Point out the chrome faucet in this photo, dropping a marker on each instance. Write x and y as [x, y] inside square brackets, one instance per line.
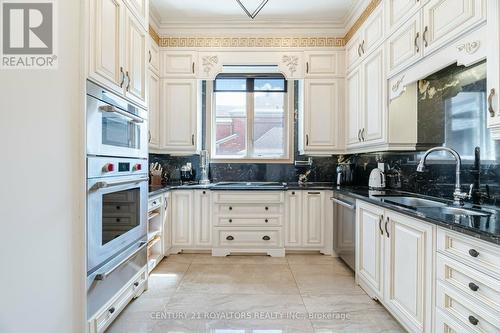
[304, 177]
[458, 195]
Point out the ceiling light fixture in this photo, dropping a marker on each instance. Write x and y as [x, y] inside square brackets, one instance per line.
[256, 11]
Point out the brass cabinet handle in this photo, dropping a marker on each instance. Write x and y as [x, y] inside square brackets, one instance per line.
[490, 102]
[380, 219]
[230, 238]
[123, 77]
[307, 67]
[386, 223]
[416, 42]
[128, 82]
[266, 238]
[424, 36]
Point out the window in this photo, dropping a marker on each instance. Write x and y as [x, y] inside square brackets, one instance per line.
[250, 118]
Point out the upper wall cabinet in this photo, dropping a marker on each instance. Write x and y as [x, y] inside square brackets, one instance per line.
[140, 9]
[323, 64]
[399, 11]
[320, 126]
[178, 64]
[446, 19]
[154, 56]
[117, 50]
[493, 70]
[154, 110]
[370, 35]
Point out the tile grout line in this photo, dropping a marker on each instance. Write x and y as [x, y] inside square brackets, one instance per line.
[300, 293]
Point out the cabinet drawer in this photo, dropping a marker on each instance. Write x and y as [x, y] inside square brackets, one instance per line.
[444, 324]
[476, 285]
[468, 313]
[249, 197]
[243, 221]
[106, 316]
[155, 202]
[478, 254]
[249, 237]
[252, 209]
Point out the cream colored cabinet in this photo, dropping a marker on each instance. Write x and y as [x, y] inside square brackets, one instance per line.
[353, 52]
[369, 249]
[374, 105]
[408, 253]
[135, 60]
[140, 8]
[117, 50]
[167, 223]
[293, 219]
[405, 46]
[446, 19]
[399, 11]
[154, 110]
[324, 64]
[179, 116]
[178, 64]
[493, 68]
[202, 219]
[322, 117]
[182, 220]
[313, 219]
[373, 31]
[366, 102]
[154, 56]
[106, 43]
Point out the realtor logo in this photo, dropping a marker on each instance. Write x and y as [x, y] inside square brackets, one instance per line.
[28, 34]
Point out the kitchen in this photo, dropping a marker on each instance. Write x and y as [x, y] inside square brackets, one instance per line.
[252, 166]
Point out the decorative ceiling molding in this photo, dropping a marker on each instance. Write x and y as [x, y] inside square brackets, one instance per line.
[364, 16]
[271, 42]
[154, 35]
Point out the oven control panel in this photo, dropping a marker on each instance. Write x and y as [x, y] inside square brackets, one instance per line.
[113, 166]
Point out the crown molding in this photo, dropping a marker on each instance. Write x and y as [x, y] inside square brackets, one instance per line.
[251, 42]
[373, 4]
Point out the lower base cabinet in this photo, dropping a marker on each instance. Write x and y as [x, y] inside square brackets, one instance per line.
[394, 263]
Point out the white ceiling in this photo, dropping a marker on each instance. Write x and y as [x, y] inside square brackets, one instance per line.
[185, 16]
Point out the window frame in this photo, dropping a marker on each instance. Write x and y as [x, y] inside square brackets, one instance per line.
[288, 156]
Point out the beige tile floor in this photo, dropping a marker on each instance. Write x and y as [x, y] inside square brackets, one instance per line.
[253, 294]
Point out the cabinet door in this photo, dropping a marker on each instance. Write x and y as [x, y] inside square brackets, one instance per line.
[106, 43]
[178, 115]
[373, 31]
[405, 46]
[353, 52]
[135, 54]
[321, 115]
[447, 19]
[493, 68]
[178, 64]
[182, 218]
[313, 219]
[202, 219]
[353, 107]
[321, 64]
[369, 246]
[154, 110]
[374, 88]
[408, 270]
[167, 223]
[398, 11]
[140, 8]
[293, 219]
[154, 56]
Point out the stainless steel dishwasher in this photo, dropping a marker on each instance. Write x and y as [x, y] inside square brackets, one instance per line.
[344, 230]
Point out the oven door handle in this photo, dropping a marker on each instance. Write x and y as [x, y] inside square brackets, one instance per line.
[103, 276]
[343, 203]
[99, 185]
[112, 109]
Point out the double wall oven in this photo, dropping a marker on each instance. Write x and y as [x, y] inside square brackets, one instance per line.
[117, 194]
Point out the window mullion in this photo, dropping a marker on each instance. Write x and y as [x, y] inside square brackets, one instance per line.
[250, 125]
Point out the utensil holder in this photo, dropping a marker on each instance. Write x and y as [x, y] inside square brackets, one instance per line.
[155, 180]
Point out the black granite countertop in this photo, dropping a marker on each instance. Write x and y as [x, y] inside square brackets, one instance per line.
[482, 227]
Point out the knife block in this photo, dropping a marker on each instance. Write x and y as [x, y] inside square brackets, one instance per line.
[155, 180]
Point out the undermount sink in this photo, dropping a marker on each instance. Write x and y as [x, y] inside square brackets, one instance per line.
[459, 211]
[412, 201]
